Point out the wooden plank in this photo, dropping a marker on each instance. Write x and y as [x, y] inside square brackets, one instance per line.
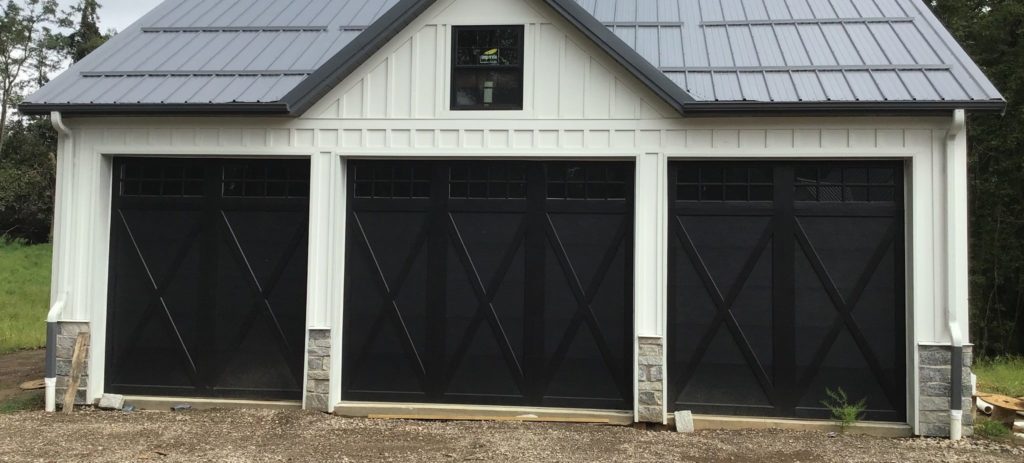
[535, 419]
[77, 365]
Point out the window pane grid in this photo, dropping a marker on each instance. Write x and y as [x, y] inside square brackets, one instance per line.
[161, 177]
[718, 183]
[846, 184]
[392, 181]
[487, 182]
[265, 179]
[487, 68]
[579, 181]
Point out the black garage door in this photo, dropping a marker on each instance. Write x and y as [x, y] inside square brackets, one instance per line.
[786, 279]
[505, 283]
[208, 278]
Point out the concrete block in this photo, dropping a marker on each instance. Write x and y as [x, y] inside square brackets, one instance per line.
[316, 402]
[684, 422]
[935, 358]
[111, 402]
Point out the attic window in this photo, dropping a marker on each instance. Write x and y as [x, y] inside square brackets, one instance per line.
[487, 68]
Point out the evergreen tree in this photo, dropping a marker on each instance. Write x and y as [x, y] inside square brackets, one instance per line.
[87, 36]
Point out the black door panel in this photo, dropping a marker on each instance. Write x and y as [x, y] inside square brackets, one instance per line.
[503, 283]
[208, 278]
[786, 279]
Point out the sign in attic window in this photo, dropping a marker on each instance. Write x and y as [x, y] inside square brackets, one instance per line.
[487, 68]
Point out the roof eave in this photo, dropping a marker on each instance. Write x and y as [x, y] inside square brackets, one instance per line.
[157, 109]
[838, 108]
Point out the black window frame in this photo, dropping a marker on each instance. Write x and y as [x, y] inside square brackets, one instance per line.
[455, 67]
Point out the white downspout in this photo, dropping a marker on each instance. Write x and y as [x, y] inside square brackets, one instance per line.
[60, 292]
[956, 130]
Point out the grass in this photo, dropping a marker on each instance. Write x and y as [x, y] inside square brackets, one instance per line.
[22, 402]
[24, 295]
[987, 428]
[1001, 375]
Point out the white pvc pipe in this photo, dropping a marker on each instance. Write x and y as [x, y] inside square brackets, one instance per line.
[60, 286]
[956, 129]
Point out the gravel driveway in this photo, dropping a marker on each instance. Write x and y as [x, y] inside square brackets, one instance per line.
[264, 435]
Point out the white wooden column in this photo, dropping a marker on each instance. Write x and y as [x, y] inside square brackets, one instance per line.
[324, 274]
[650, 248]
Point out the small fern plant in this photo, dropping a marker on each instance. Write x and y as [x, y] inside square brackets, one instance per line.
[844, 413]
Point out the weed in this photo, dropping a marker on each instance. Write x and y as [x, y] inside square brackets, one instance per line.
[22, 402]
[991, 429]
[843, 412]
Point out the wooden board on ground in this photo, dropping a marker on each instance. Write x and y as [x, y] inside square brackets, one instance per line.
[77, 365]
[532, 419]
[1002, 401]
[33, 385]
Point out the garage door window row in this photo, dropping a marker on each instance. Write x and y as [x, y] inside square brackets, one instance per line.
[184, 178]
[483, 180]
[846, 184]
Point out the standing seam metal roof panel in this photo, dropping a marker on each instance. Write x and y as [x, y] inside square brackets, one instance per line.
[257, 51]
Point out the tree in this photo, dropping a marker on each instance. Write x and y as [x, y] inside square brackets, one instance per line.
[27, 178]
[992, 31]
[87, 36]
[26, 43]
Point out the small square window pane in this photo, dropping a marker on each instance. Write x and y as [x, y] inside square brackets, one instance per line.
[806, 193]
[881, 176]
[856, 193]
[556, 190]
[688, 175]
[856, 175]
[830, 193]
[807, 174]
[688, 193]
[576, 191]
[711, 193]
[517, 190]
[459, 190]
[761, 193]
[382, 189]
[277, 189]
[761, 175]
[736, 193]
[736, 175]
[478, 190]
[363, 189]
[711, 174]
[403, 189]
[422, 189]
[883, 194]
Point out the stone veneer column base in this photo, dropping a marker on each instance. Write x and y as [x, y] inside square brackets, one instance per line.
[67, 334]
[651, 373]
[318, 373]
[934, 379]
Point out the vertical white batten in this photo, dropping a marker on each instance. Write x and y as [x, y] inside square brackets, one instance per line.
[648, 299]
[956, 265]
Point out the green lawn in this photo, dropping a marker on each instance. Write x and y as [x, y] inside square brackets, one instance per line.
[1001, 375]
[24, 295]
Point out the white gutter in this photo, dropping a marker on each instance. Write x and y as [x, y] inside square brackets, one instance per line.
[60, 291]
[956, 130]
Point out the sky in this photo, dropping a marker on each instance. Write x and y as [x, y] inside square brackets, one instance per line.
[118, 14]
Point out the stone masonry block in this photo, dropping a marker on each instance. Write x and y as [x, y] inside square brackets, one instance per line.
[649, 414]
[650, 398]
[655, 373]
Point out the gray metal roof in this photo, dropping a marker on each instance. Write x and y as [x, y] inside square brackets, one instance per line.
[798, 50]
[261, 52]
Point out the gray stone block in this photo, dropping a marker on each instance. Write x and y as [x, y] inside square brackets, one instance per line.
[111, 402]
[649, 360]
[934, 358]
[316, 402]
[641, 373]
[684, 422]
[319, 352]
[650, 350]
[651, 386]
[319, 375]
[655, 373]
[316, 364]
[651, 414]
[649, 398]
[935, 389]
[934, 374]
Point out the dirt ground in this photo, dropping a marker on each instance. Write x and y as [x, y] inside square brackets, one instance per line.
[282, 436]
[273, 436]
[18, 368]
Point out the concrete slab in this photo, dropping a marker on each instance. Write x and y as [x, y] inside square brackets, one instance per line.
[870, 428]
[480, 413]
[165, 403]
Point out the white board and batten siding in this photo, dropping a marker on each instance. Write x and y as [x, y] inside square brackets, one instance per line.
[577, 104]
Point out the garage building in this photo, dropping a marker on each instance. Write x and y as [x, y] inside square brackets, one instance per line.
[632, 207]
